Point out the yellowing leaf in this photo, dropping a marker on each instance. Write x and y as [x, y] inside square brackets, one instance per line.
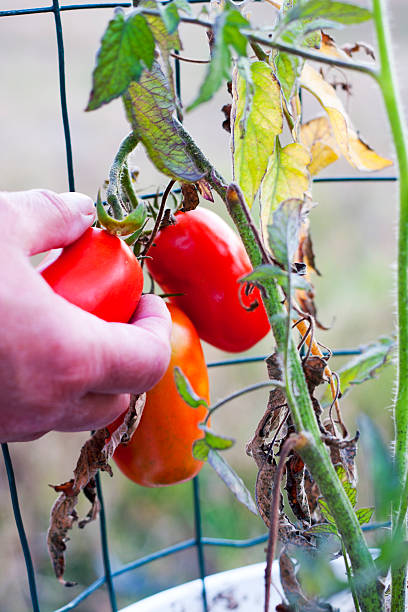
[253, 147]
[357, 153]
[317, 136]
[286, 178]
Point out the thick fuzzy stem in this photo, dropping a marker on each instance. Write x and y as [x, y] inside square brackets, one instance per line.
[387, 82]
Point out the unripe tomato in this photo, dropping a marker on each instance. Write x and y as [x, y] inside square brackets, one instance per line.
[99, 273]
[203, 258]
[160, 451]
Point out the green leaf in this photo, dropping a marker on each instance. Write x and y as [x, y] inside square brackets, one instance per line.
[226, 34]
[232, 480]
[286, 178]
[364, 515]
[127, 48]
[165, 41]
[267, 272]
[373, 359]
[383, 474]
[338, 12]
[284, 231]
[323, 529]
[288, 68]
[150, 109]
[201, 450]
[324, 509]
[216, 441]
[170, 13]
[254, 132]
[186, 391]
[351, 492]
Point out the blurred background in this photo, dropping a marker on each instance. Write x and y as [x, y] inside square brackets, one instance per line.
[353, 229]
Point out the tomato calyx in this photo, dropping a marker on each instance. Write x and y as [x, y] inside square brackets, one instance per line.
[131, 224]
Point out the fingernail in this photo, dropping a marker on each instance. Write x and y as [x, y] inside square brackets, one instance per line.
[79, 202]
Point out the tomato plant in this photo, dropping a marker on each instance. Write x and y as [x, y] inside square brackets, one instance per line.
[99, 273]
[203, 258]
[160, 451]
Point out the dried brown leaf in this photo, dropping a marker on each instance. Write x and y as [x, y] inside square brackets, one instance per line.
[190, 197]
[205, 190]
[94, 456]
[295, 488]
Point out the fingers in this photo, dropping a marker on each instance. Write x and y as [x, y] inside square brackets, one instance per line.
[133, 358]
[39, 220]
[93, 412]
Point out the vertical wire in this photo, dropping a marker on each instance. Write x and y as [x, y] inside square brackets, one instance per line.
[196, 495]
[20, 528]
[63, 94]
[105, 548]
[199, 540]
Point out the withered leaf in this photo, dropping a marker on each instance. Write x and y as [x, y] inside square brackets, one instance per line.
[205, 190]
[295, 488]
[94, 456]
[190, 197]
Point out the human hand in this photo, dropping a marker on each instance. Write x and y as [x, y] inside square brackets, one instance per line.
[62, 368]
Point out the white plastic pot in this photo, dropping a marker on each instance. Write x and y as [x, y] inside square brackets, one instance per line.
[240, 589]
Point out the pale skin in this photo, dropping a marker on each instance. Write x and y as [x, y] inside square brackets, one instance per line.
[62, 368]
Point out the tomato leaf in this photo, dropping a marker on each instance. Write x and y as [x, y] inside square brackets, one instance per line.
[355, 150]
[201, 450]
[150, 109]
[381, 466]
[324, 509]
[232, 480]
[317, 136]
[364, 515]
[254, 132]
[227, 34]
[286, 178]
[323, 529]
[127, 48]
[336, 12]
[186, 391]
[351, 491]
[216, 441]
[283, 232]
[170, 13]
[267, 272]
[373, 359]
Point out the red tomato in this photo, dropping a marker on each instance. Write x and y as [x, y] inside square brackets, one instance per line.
[99, 273]
[203, 258]
[160, 451]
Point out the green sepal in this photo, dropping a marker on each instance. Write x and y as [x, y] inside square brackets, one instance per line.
[130, 224]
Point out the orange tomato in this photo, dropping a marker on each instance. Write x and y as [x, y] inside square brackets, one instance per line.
[160, 451]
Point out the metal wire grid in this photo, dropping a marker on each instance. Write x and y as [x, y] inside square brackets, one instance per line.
[199, 541]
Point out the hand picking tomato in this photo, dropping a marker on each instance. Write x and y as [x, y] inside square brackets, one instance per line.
[160, 451]
[99, 273]
[203, 258]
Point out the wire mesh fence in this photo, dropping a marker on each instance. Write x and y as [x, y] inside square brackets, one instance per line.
[199, 542]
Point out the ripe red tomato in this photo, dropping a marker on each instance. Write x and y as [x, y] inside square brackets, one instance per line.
[160, 451]
[203, 258]
[99, 273]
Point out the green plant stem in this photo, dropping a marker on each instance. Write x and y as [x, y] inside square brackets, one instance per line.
[126, 147]
[350, 578]
[253, 37]
[127, 187]
[314, 453]
[387, 82]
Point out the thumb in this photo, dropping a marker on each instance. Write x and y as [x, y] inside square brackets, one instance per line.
[41, 220]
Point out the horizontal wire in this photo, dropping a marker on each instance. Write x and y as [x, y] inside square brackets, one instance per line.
[241, 360]
[76, 7]
[165, 552]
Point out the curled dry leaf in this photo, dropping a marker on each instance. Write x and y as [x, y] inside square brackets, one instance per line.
[94, 456]
[295, 488]
[205, 190]
[190, 197]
